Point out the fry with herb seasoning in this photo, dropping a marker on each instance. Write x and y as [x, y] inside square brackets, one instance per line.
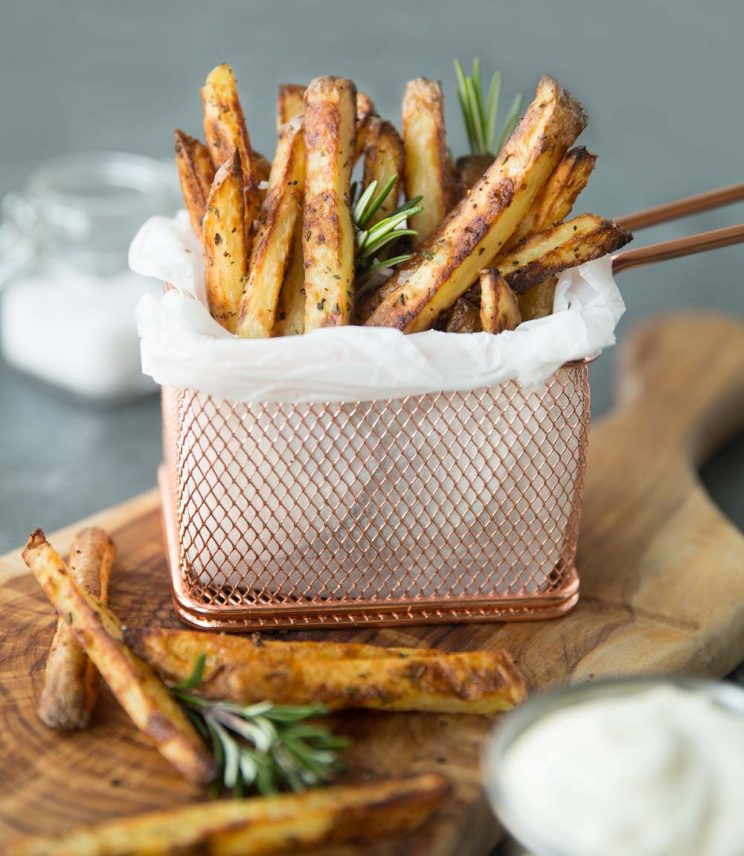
[280, 213]
[383, 162]
[261, 825]
[428, 171]
[289, 103]
[225, 131]
[465, 317]
[195, 174]
[566, 245]
[328, 231]
[136, 686]
[290, 313]
[70, 679]
[225, 244]
[479, 682]
[447, 264]
[499, 308]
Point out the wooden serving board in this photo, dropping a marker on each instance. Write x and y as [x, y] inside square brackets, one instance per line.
[662, 582]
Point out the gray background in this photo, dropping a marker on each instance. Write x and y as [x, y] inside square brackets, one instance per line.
[661, 81]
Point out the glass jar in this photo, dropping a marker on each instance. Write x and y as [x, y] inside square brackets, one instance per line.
[68, 296]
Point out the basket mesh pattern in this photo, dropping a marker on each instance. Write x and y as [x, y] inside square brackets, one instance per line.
[437, 507]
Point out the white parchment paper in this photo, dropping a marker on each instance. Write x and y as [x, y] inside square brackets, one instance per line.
[183, 346]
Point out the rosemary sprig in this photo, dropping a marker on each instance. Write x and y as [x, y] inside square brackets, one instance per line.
[481, 118]
[372, 239]
[263, 746]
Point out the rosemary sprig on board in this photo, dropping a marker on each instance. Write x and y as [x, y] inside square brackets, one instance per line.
[481, 117]
[371, 240]
[264, 746]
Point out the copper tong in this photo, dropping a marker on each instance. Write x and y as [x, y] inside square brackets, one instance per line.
[686, 246]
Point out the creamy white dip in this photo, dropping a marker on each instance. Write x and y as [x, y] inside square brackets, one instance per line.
[657, 772]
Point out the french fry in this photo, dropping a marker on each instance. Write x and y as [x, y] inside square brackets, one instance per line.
[289, 103]
[383, 160]
[195, 174]
[280, 213]
[477, 682]
[552, 206]
[328, 232]
[499, 308]
[225, 244]
[558, 195]
[566, 245]
[70, 679]
[290, 313]
[428, 171]
[138, 689]
[448, 262]
[365, 110]
[225, 131]
[261, 825]
[263, 167]
[465, 317]
[470, 169]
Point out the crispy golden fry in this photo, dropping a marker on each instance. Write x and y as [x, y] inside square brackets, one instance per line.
[289, 103]
[196, 174]
[448, 262]
[383, 160]
[328, 232]
[470, 169]
[552, 205]
[225, 131]
[225, 244]
[135, 685]
[465, 317]
[481, 682]
[290, 313]
[280, 214]
[261, 825]
[499, 308]
[70, 679]
[557, 197]
[428, 171]
[566, 245]
[365, 110]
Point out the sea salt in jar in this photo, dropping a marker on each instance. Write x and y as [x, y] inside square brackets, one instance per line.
[68, 296]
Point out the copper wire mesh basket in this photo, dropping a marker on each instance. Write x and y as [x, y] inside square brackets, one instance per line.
[458, 506]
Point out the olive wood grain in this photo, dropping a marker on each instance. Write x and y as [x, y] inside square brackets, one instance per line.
[662, 575]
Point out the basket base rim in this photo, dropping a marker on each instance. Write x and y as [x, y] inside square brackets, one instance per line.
[240, 619]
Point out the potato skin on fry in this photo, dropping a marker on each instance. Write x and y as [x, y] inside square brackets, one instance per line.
[280, 214]
[499, 308]
[328, 233]
[566, 245]
[260, 825]
[448, 262]
[470, 169]
[70, 679]
[195, 174]
[428, 171]
[290, 312]
[383, 160]
[465, 317]
[225, 245]
[133, 682]
[478, 682]
[225, 131]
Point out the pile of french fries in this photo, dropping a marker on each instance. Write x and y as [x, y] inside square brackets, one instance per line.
[280, 240]
[139, 666]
